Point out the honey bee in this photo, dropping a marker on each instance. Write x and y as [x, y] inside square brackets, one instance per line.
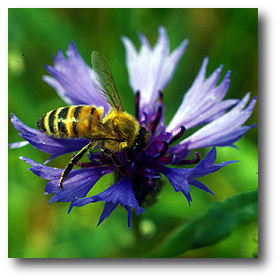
[117, 131]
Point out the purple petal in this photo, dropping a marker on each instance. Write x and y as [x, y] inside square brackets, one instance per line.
[42, 142]
[230, 138]
[224, 130]
[19, 144]
[45, 172]
[203, 101]
[120, 193]
[150, 70]
[20, 126]
[128, 209]
[108, 209]
[145, 47]
[199, 185]
[72, 79]
[207, 166]
[76, 185]
[181, 179]
[178, 179]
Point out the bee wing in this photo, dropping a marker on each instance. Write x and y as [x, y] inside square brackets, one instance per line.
[91, 128]
[105, 78]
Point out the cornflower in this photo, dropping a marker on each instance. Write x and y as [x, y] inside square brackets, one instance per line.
[150, 70]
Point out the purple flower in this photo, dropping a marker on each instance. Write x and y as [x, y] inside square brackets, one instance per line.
[150, 70]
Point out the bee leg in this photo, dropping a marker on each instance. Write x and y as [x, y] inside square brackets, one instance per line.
[115, 159]
[74, 160]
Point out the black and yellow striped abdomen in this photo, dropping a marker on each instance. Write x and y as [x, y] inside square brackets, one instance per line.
[62, 122]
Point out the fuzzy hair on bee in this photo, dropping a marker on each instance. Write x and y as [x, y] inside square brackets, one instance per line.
[117, 131]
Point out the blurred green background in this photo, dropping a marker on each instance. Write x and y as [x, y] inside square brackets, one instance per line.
[41, 230]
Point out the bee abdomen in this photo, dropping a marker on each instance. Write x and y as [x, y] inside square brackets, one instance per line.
[62, 121]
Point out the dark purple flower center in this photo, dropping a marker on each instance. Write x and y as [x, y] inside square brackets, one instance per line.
[142, 167]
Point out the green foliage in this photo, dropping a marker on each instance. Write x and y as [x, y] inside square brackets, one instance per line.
[218, 222]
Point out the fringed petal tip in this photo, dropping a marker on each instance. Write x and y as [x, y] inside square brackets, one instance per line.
[182, 178]
[119, 193]
[19, 144]
[151, 69]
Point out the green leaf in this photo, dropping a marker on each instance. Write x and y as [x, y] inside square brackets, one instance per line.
[217, 223]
